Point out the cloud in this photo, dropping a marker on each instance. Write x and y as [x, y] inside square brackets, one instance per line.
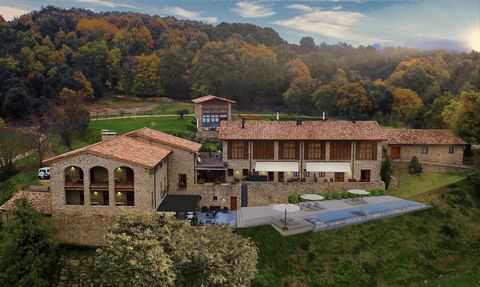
[180, 12]
[9, 13]
[105, 3]
[252, 10]
[336, 23]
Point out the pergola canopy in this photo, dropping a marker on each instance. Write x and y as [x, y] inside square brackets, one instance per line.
[338, 166]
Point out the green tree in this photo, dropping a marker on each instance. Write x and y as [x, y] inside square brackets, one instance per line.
[173, 71]
[299, 96]
[146, 80]
[16, 104]
[386, 172]
[414, 166]
[353, 101]
[142, 248]
[433, 117]
[28, 250]
[92, 59]
[463, 116]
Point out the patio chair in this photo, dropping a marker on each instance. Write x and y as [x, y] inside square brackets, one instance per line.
[305, 206]
[318, 205]
[312, 206]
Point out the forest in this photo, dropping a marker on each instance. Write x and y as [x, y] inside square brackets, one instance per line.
[54, 59]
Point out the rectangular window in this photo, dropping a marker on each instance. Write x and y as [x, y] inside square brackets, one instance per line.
[263, 150]
[424, 150]
[238, 150]
[365, 175]
[99, 197]
[339, 177]
[321, 174]
[245, 172]
[230, 172]
[124, 198]
[74, 197]
[182, 180]
[315, 150]
[288, 150]
[451, 150]
[366, 150]
[340, 150]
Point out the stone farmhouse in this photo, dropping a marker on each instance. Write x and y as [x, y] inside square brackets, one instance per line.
[436, 149]
[261, 163]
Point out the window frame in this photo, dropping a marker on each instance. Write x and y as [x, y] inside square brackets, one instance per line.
[288, 150]
[343, 153]
[424, 150]
[238, 149]
[263, 150]
[366, 150]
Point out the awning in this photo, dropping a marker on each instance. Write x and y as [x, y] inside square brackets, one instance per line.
[179, 202]
[276, 166]
[331, 166]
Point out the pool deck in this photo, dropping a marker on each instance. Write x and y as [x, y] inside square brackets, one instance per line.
[297, 221]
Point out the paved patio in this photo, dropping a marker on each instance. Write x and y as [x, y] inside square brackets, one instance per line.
[300, 221]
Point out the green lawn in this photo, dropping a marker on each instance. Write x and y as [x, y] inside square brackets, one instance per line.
[412, 186]
[399, 251]
[172, 108]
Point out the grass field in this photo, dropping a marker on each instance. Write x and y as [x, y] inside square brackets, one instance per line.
[400, 251]
[413, 186]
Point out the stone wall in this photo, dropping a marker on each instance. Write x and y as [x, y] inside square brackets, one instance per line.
[265, 193]
[179, 162]
[429, 166]
[437, 154]
[79, 229]
[356, 165]
[143, 186]
[204, 135]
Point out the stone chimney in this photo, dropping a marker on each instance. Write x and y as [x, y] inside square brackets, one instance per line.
[108, 135]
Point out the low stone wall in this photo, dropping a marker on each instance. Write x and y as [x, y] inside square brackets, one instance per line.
[82, 230]
[265, 193]
[204, 135]
[403, 165]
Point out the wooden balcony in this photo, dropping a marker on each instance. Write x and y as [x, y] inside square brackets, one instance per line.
[124, 186]
[74, 185]
[99, 186]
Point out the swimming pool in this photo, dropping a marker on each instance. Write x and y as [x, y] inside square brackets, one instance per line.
[366, 210]
[229, 218]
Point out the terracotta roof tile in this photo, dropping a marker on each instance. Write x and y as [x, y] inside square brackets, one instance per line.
[122, 148]
[166, 139]
[422, 137]
[209, 98]
[39, 199]
[308, 130]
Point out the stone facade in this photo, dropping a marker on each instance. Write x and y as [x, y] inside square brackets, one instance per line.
[179, 162]
[238, 165]
[437, 154]
[143, 186]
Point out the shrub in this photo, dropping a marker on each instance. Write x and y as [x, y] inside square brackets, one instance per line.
[305, 244]
[386, 172]
[311, 256]
[294, 198]
[415, 167]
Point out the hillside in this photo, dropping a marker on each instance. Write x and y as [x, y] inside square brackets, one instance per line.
[137, 55]
[434, 246]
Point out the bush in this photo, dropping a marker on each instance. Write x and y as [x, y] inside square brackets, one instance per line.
[377, 192]
[415, 167]
[294, 198]
[386, 172]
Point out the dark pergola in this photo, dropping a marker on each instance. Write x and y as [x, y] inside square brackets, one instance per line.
[179, 202]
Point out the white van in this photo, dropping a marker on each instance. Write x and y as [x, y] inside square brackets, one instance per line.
[44, 173]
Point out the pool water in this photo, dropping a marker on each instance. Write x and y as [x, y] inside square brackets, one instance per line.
[229, 218]
[345, 214]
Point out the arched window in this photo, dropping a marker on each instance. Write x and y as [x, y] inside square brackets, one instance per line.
[74, 192]
[124, 186]
[99, 186]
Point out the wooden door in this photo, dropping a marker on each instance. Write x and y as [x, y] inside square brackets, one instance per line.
[339, 177]
[395, 152]
[281, 177]
[233, 203]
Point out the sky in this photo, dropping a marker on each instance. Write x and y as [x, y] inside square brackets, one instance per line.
[452, 25]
